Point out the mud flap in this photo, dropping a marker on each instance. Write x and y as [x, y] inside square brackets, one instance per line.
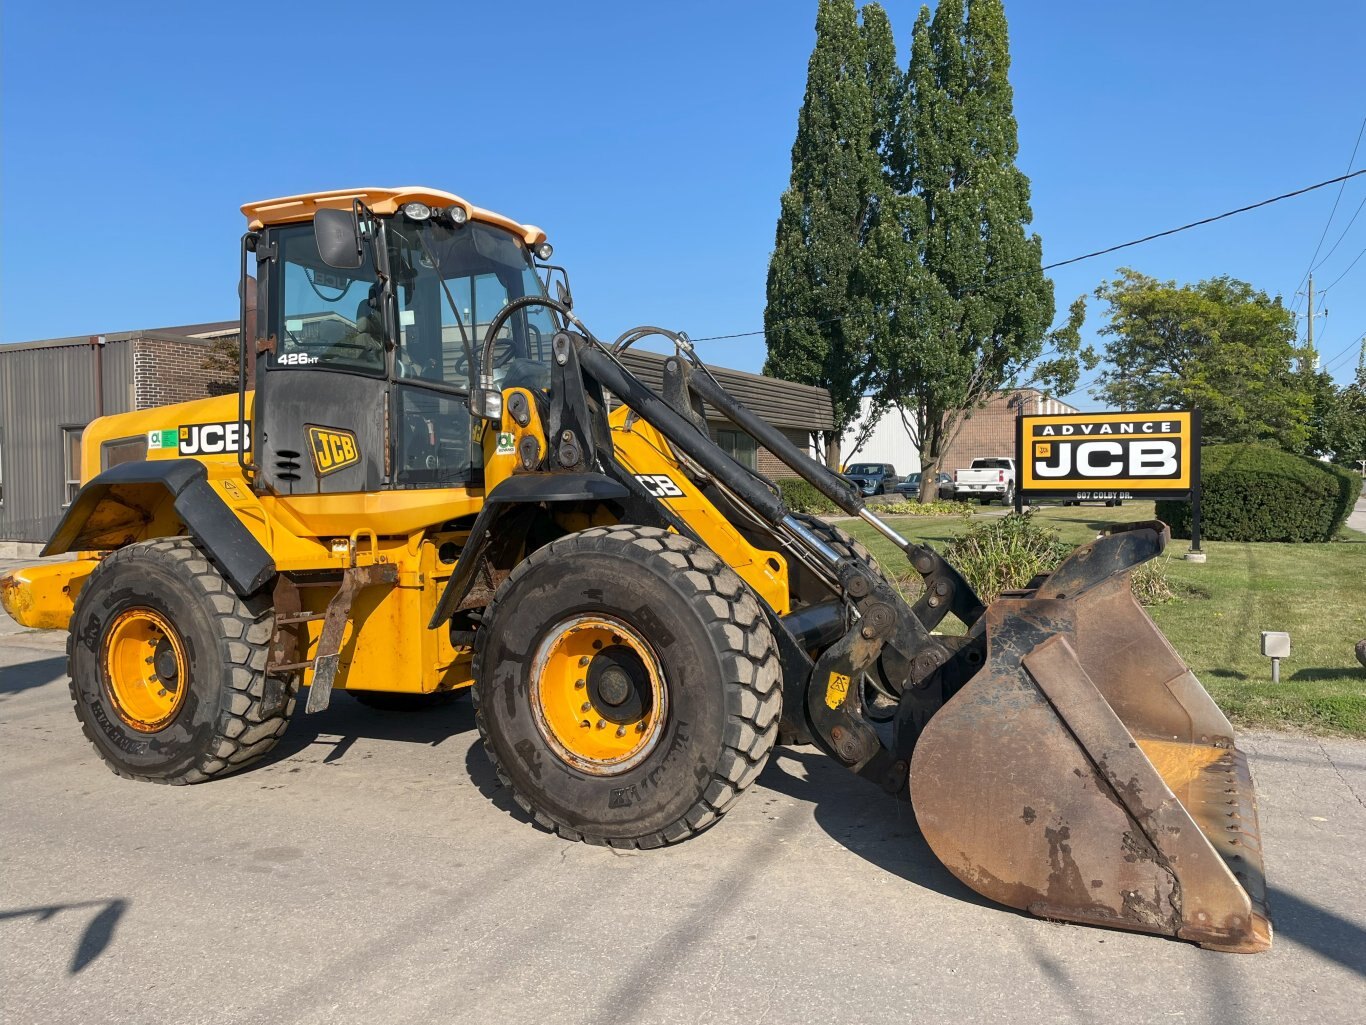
[1084, 774]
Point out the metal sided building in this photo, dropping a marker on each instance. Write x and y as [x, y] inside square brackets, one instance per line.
[50, 390]
[800, 411]
[48, 395]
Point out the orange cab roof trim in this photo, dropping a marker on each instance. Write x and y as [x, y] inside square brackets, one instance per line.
[382, 201]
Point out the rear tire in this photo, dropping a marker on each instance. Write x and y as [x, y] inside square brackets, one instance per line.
[216, 710]
[701, 669]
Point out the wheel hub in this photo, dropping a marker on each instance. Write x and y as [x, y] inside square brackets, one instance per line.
[143, 660]
[598, 694]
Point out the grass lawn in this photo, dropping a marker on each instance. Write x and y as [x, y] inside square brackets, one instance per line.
[1315, 591]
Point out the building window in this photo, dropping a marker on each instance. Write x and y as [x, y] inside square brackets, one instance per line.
[71, 457]
[738, 445]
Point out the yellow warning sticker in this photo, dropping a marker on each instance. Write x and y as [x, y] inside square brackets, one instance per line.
[836, 689]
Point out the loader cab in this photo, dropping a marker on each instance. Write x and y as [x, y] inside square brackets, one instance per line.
[363, 371]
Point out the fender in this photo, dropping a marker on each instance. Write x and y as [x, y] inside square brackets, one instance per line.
[507, 497]
[112, 509]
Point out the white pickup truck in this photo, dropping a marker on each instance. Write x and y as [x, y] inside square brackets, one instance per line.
[989, 477]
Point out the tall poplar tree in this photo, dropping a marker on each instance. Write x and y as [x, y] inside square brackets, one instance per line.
[972, 306]
[817, 320]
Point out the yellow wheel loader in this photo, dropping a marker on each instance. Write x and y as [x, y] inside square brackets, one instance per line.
[434, 477]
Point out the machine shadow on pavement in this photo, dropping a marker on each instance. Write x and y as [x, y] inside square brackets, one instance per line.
[878, 827]
[15, 679]
[347, 720]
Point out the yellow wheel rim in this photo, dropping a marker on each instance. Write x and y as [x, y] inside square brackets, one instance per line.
[598, 694]
[145, 669]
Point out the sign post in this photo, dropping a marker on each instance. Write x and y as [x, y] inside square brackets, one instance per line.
[1111, 457]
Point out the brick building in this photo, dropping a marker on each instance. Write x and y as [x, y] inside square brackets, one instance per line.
[990, 430]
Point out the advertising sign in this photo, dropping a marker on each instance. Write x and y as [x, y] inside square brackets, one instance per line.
[1102, 455]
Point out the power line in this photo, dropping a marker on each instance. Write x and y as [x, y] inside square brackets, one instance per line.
[1098, 252]
[1324, 234]
[1328, 367]
[1344, 273]
[1340, 237]
[1208, 220]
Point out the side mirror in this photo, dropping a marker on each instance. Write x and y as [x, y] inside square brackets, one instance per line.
[338, 237]
[566, 296]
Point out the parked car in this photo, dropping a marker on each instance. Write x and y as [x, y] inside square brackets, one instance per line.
[989, 477]
[910, 487]
[873, 478]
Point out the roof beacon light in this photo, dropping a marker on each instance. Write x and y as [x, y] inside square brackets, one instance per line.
[416, 211]
[545, 251]
[458, 214]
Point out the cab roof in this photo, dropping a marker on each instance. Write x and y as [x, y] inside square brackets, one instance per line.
[289, 209]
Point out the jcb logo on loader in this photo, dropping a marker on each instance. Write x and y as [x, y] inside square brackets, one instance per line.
[332, 449]
[213, 439]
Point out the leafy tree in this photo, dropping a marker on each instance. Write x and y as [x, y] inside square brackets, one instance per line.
[956, 275]
[1338, 422]
[1221, 345]
[817, 320]
[220, 363]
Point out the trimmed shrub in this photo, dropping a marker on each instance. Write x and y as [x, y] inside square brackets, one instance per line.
[800, 497]
[913, 507]
[1259, 493]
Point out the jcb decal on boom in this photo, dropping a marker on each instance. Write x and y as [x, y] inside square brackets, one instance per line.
[333, 449]
[660, 485]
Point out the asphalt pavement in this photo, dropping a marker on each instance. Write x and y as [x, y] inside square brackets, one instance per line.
[373, 871]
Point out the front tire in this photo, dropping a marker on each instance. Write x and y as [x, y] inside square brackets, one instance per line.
[167, 666]
[627, 686]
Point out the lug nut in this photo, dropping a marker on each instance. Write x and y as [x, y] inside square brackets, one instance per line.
[585, 706]
[580, 684]
[640, 727]
[602, 723]
[621, 731]
[583, 661]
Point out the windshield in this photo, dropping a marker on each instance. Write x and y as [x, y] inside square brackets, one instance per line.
[991, 464]
[868, 468]
[331, 318]
[483, 268]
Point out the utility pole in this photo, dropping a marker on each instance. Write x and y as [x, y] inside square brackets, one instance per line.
[1311, 312]
[1310, 358]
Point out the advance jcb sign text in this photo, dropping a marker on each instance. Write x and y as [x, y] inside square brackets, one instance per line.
[1152, 453]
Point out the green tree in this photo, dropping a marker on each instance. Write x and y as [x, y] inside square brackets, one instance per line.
[1338, 422]
[817, 319]
[1220, 345]
[220, 363]
[956, 274]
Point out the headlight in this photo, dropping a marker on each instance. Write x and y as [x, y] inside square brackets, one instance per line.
[545, 251]
[458, 214]
[416, 211]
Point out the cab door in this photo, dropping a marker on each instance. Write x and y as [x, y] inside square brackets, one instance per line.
[322, 387]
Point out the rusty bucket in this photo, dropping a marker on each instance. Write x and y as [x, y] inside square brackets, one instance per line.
[1085, 775]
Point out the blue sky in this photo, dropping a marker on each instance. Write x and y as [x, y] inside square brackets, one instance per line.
[650, 140]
